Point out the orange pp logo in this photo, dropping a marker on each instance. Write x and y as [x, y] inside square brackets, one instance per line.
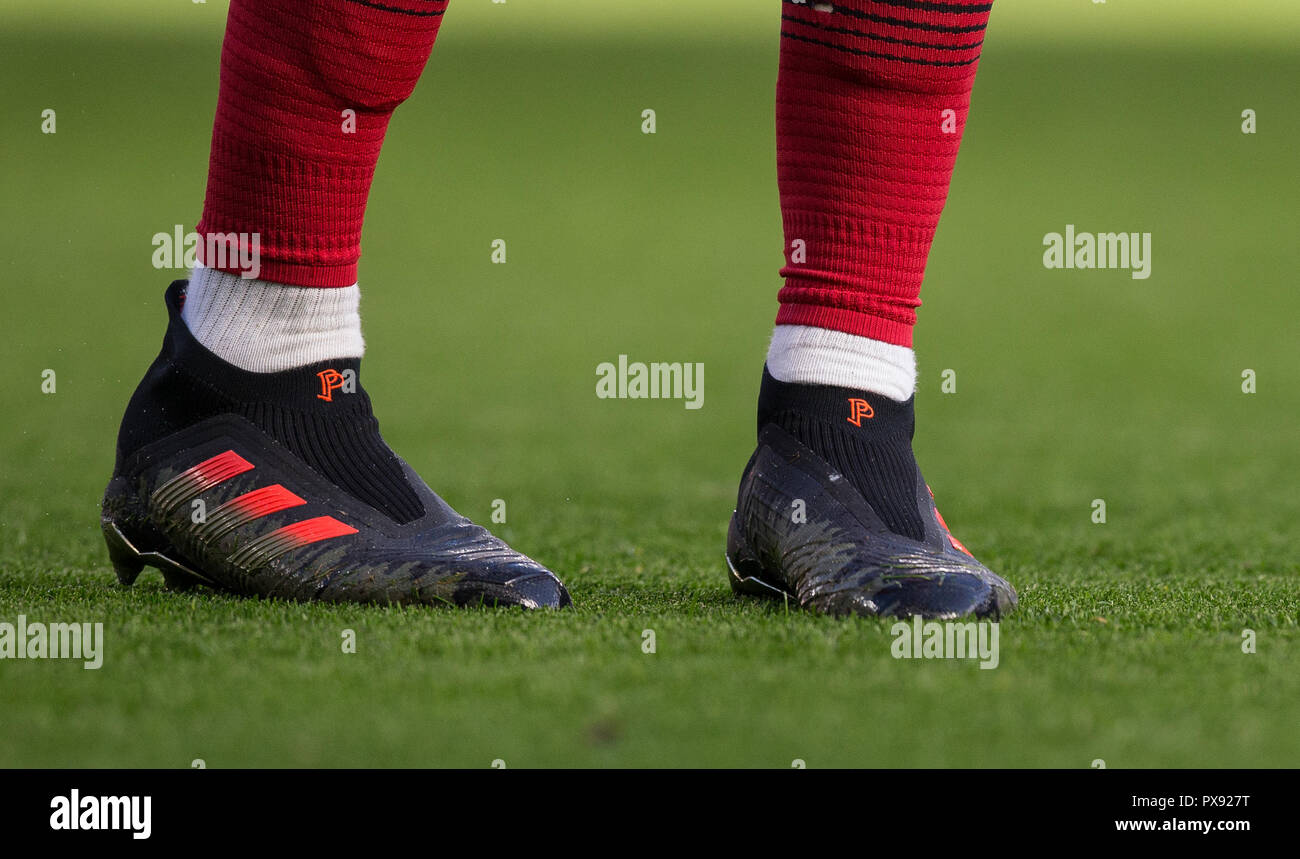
[330, 381]
[859, 409]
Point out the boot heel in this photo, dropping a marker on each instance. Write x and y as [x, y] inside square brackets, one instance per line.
[124, 556]
[744, 570]
[130, 557]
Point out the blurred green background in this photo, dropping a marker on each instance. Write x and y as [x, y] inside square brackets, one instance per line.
[1072, 386]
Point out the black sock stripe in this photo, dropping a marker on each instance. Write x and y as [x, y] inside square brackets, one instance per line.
[898, 22]
[412, 12]
[890, 39]
[956, 7]
[861, 52]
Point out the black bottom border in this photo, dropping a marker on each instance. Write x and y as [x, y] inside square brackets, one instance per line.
[334, 808]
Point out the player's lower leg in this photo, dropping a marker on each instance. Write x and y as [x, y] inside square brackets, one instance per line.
[249, 458]
[872, 100]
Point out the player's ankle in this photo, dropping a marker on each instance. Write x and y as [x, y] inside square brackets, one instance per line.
[864, 435]
[821, 356]
[266, 327]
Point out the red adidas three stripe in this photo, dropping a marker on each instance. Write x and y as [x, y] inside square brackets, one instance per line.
[246, 508]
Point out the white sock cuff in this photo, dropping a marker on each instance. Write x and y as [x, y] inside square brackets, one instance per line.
[266, 327]
[820, 356]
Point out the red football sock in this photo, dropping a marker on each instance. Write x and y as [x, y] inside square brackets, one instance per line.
[871, 103]
[287, 162]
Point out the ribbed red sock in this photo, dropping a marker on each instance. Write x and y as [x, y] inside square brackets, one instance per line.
[872, 99]
[287, 162]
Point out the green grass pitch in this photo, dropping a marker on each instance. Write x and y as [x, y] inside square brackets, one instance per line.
[1071, 386]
